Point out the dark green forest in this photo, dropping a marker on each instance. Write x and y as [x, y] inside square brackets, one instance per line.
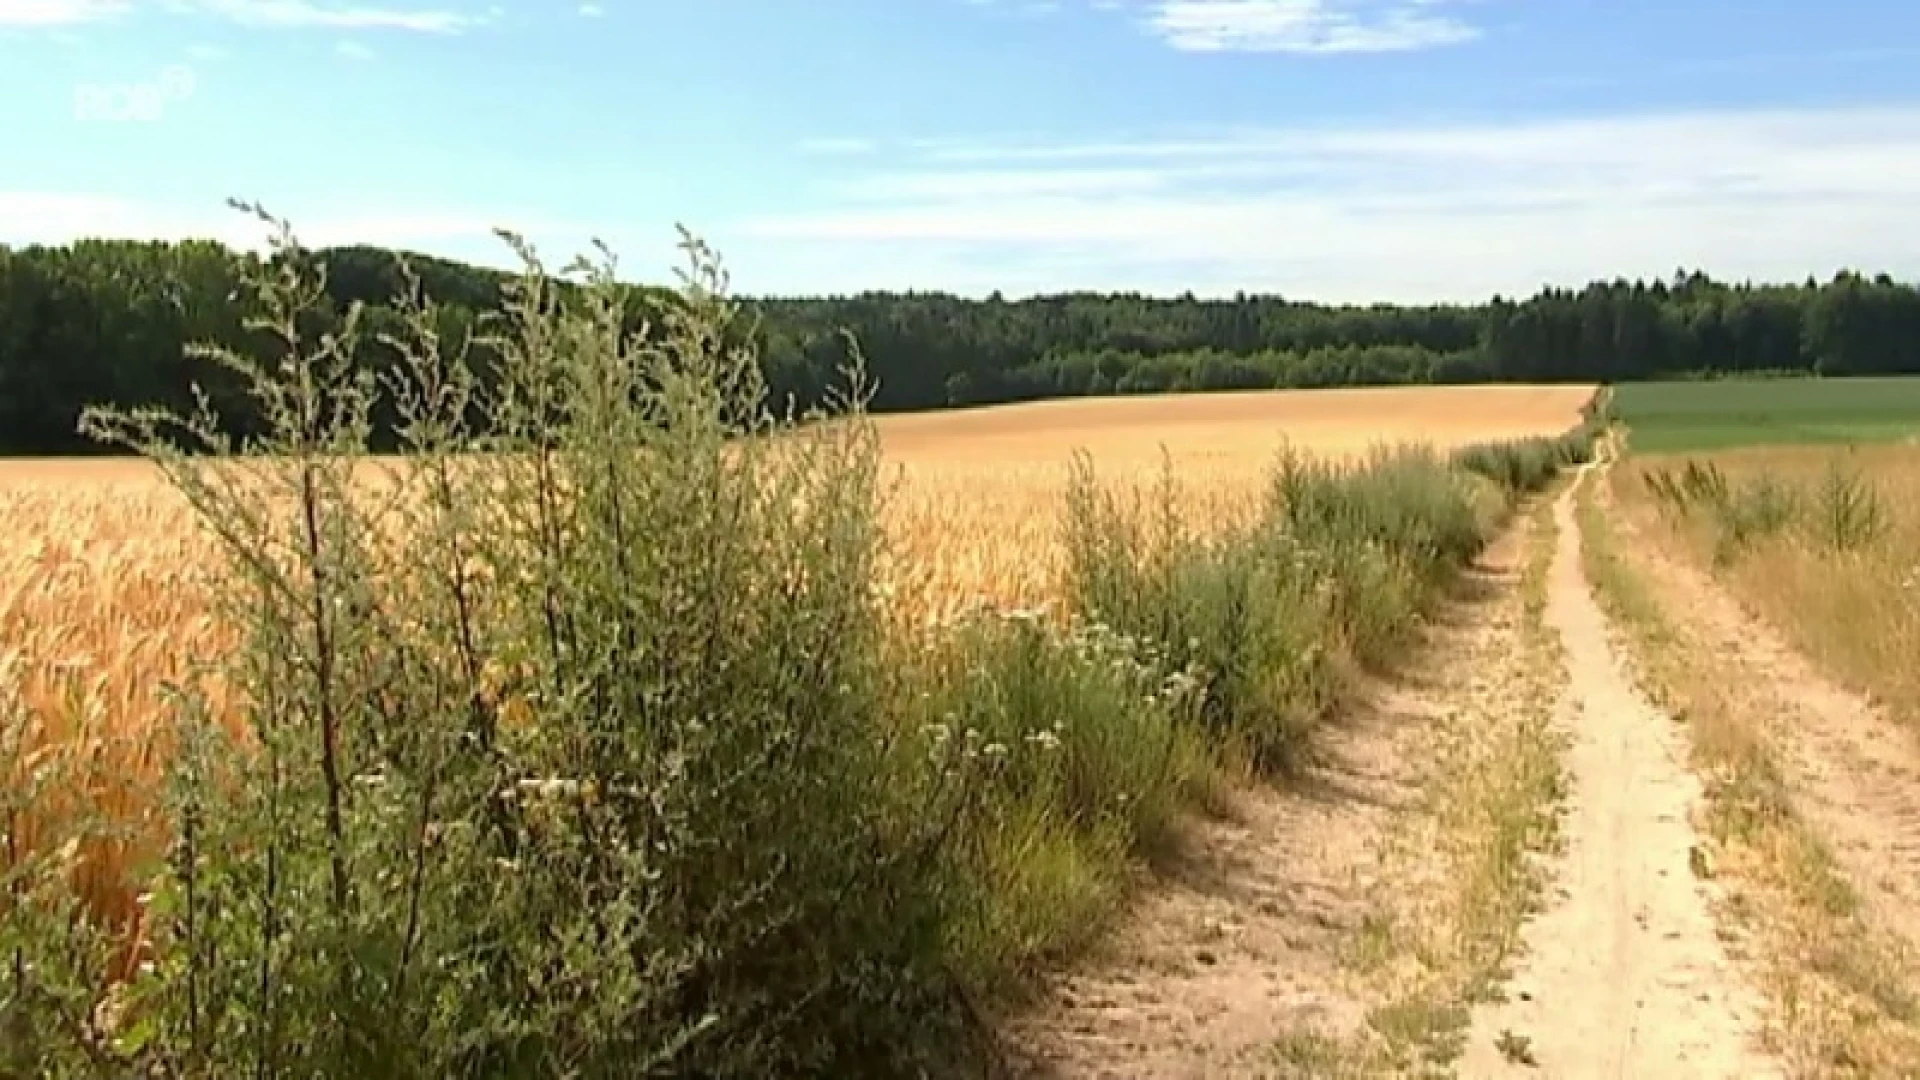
[102, 321]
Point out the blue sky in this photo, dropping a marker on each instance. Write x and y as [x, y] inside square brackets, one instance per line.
[1327, 149]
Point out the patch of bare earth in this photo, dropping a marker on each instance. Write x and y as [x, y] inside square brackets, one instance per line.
[1624, 975]
[1818, 795]
[1269, 945]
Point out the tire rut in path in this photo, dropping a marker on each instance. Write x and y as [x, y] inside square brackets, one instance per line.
[1623, 974]
[1854, 769]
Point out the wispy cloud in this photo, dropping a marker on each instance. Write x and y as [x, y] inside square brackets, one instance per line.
[1412, 212]
[1006, 183]
[306, 14]
[591, 11]
[1028, 8]
[1308, 26]
[353, 50]
[58, 12]
[293, 14]
[837, 145]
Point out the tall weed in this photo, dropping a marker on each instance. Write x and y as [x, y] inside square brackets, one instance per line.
[1849, 512]
[562, 746]
[1332, 572]
[1227, 606]
[1524, 466]
[572, 741]
[1093, 746]
[1841, 512]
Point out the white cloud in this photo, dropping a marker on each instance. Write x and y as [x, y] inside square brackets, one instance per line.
[353, 50]
[260, 13]
[1307, 26]
[1005, 183]
[40, 13]
[838, 144]
[592, 11]
[1433, 212]
[1025, 8]
[304, 14]
[1411, 212]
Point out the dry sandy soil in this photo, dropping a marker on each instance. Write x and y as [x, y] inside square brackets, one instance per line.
[1246, 943]
[1624, 975]
[1856, 770]
[1248, 948]
[1817, 793]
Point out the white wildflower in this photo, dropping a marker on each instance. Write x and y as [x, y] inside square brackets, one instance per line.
[1045, 740]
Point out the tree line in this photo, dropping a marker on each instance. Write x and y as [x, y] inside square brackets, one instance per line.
[109, 322]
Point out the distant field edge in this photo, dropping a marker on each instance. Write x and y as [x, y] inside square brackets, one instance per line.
[1731, 413]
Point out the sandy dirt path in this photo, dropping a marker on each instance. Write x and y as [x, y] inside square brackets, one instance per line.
[1853, 769]
[1238, 942]
[1623, 975]
[1818, 802]
[1246, 940]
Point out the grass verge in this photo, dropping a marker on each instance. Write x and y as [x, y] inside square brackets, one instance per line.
[1838, 1003]
[1819, 542]
[1464, 871]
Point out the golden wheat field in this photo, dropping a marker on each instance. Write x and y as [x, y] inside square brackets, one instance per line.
[976, 513]
[100, 608]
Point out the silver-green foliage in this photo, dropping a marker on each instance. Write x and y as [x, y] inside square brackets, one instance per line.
[565, 747]
[1333, 570]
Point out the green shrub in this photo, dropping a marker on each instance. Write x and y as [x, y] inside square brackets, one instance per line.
[1519, 466]
[573, 742]
[1333, 571]
[1738, 514]
[1092, 747]
[1762, 507]
[1523, 466]
[561, 748]
[1403, 501]
[1229, 607]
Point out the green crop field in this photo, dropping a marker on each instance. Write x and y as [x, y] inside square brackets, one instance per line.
[1720, 414]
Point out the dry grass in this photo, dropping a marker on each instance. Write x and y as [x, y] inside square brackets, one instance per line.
[1834, 975]
[1460, 870]
[1856, 613]
[100, 608]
